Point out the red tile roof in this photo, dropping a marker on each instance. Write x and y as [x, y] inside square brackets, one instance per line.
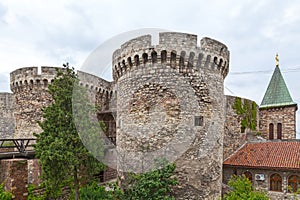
[271, 154]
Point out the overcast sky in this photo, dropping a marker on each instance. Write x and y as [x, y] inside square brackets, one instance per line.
[50, 33]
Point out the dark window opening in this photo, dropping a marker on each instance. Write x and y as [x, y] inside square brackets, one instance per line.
[248, 175]
[220, 63]
[235, 171]
[173, 58]
[145, 58]
[154, 56]
[191, 60]
[100, 176]
[279, 131]
[181, 59]
[271, 131]
[129, 61]
[198, 120]
[124, 64]
[199, 61]
[243, 128]
[163, 56]
[137, 60]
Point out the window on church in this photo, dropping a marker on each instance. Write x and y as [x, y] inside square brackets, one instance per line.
[271, 131]
[275, 183]
[294, 183]
[279, 131]
[248, 175]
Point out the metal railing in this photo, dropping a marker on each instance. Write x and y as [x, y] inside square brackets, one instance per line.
[22, 147]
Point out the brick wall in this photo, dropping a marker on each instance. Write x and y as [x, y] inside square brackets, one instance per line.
[284, 115]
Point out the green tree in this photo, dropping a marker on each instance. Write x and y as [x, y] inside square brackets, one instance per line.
[65, 160]
[152, 185]
[242, 190]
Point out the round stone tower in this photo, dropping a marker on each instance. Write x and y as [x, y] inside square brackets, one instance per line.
[170, 104]
[30, 91]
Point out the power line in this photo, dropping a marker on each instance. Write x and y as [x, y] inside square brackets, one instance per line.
[286, 70]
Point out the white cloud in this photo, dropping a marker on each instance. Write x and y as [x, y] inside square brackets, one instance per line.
[37, 32]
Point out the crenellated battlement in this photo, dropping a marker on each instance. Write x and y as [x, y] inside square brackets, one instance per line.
[30, 76]
[176, 50]
[211, 45]
[94, 83]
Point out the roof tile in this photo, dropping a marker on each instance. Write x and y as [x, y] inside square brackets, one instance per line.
[271, 154]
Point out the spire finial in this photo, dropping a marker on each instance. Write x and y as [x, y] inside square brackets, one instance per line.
[277, 60]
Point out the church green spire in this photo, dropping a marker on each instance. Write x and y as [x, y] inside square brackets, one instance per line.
[277, 93]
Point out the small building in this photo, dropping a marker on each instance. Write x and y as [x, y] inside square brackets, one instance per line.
[272, 166]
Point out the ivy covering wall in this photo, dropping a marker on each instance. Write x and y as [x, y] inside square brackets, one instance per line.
[247, 110]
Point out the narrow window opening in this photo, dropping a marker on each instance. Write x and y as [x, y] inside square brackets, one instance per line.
[137, 60]
[271, 131]
[198, 120]
[279, 131]
[191, 60]
[154, 56]
[181, 59]
[173, 58]
[163, 56]
[145, 58]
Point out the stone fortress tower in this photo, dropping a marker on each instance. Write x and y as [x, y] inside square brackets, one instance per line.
[30, 95]
[170, 103]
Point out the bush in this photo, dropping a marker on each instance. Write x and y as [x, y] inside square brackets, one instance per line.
[152, 185]
[5, 195]
[31, 196]
[242, 190]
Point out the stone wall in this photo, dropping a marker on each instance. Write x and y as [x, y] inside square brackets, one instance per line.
[263, 185]
[284, 115]
[234, 136]
[170, 103]
[7, 122]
